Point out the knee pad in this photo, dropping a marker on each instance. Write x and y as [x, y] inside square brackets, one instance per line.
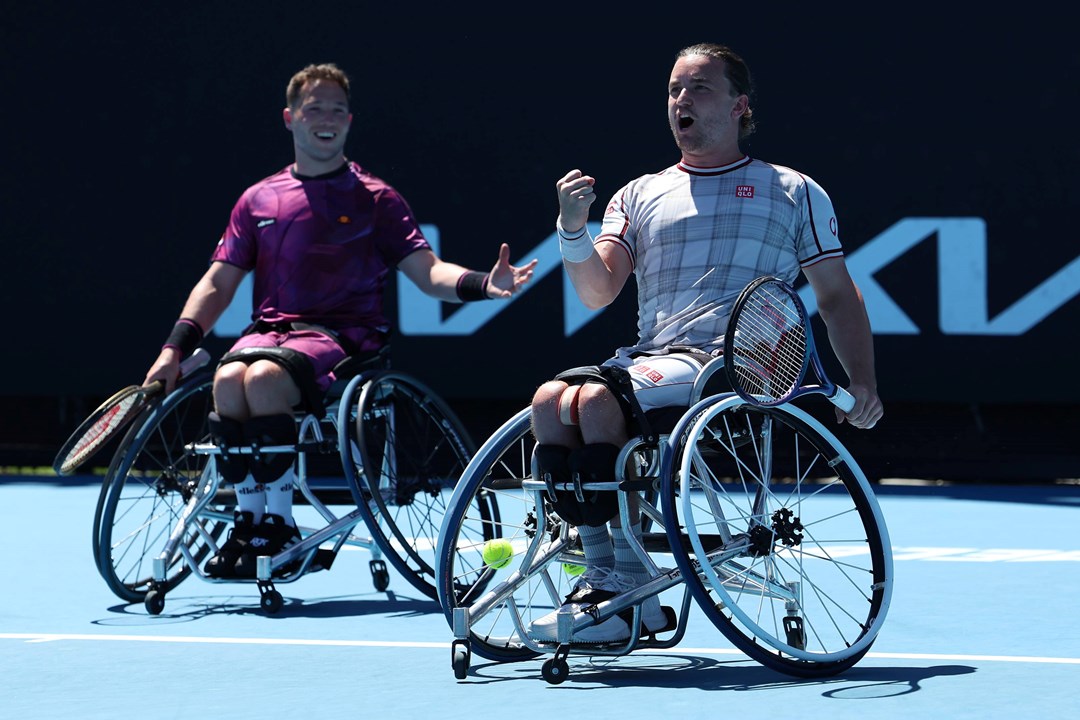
[270, 430]
[591, 463]
[226, 433]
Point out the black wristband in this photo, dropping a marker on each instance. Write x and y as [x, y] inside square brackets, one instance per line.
[472, 285]
[185, 336]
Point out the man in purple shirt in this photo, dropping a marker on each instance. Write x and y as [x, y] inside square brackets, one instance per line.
[321, 236]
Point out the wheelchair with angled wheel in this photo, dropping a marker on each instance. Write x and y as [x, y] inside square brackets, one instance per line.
[758, 516]
[373, 470]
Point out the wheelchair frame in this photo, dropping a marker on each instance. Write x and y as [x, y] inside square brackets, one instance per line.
[773, 527]
[162, 484]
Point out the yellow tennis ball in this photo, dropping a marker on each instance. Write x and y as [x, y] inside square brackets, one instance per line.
[498, 553]
[573, 570]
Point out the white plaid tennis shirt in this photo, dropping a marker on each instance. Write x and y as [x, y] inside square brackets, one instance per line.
[697, 236]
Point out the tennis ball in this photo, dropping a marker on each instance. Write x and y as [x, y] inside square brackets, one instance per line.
[498, 553]
[573, 570]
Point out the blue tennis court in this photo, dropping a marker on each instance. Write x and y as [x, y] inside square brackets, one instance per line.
[982, 625]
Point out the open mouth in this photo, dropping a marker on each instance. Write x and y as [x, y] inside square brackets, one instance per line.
[326, 135]
[685, 122]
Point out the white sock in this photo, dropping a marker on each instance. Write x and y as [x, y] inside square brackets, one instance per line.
[250, 497]
[279, 496]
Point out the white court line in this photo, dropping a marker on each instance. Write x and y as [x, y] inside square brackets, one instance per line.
[54, 637]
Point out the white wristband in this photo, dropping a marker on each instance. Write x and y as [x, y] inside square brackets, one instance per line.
[575, 248]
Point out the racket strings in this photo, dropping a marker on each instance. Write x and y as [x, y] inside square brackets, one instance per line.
[769, 345]
[101, 430]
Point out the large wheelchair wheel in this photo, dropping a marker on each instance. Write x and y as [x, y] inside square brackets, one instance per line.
[403, 450]
[149, 482]
[778, 534]
[489, 503]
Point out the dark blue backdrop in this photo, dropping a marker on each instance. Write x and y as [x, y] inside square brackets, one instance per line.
[945, 141]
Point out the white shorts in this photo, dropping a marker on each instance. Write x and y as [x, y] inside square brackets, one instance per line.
[661, 380]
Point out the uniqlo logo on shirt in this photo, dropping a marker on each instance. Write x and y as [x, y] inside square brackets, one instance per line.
[746, 191]
[647, 372]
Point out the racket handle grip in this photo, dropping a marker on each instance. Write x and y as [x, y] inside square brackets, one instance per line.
[843, 399]
[198, 359]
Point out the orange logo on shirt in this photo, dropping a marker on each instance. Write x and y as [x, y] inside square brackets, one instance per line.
[344, 220]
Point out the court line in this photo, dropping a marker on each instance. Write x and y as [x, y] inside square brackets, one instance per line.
[54, 637]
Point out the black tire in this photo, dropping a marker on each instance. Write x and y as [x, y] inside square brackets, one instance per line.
[402, 461]
[778, 536]
[149, 481]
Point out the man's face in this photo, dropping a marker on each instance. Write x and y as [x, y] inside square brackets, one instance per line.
[702, 113]
[320, 121]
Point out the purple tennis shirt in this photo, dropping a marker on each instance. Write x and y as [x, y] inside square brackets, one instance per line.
[321, 249]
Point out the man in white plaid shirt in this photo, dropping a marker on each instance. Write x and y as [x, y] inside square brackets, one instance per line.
[694, 235]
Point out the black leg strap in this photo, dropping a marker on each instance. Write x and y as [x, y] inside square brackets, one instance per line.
[266, 431]
[227, 433]
[591, 463]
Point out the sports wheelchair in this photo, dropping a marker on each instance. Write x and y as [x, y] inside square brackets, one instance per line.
[760, 515]
[380, 454]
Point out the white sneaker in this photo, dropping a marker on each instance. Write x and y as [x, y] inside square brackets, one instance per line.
[595, 586]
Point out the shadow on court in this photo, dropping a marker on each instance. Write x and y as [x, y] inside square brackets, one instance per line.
[703, 673]
[190, 609]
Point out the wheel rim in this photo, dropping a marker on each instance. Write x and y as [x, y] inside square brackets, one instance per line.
[405, 503]
[495, 476]
[145, 491]
[814, 544]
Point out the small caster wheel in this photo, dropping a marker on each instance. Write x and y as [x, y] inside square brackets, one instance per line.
[154, 602]
[460, 654]
[271, 601]
[380, 576]
[555, 670]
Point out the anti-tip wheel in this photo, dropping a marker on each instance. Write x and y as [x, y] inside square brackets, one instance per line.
[271, 601]
[555, 670]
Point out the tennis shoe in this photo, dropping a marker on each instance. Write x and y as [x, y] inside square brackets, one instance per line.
[595, 586]
[272, 536]
[223, 564]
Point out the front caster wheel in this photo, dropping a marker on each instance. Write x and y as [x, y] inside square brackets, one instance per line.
[154, 602]
[460, 655]
[380, 576]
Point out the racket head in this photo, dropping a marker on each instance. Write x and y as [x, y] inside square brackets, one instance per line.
[114, 415]
[100, 426]
[768, 345]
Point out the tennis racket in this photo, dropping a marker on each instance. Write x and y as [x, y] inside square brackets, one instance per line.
[114, 415]
[769, 347]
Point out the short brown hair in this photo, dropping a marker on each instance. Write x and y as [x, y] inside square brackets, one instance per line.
[737, 73]
[323, 71]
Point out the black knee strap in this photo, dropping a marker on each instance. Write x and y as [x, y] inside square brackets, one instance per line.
[226, 433]
[591, 463]
[270, 430]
